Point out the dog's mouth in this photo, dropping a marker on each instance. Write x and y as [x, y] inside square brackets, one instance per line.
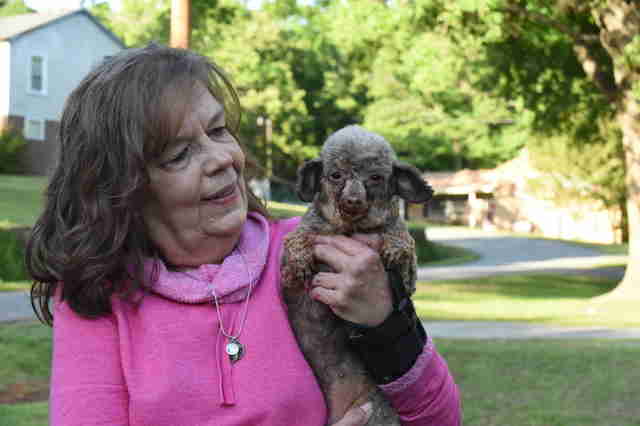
[352, 211]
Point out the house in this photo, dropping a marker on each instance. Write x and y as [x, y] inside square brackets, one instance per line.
[43, 56]
[506, 198]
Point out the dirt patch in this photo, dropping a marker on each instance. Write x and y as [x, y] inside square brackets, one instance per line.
[24, 392]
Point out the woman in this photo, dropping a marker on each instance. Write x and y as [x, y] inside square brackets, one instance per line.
[163, 268]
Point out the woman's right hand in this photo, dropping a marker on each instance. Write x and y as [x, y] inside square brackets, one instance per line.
[357, 416]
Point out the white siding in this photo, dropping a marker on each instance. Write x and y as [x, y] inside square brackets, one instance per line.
[71, 46]
[5, 76]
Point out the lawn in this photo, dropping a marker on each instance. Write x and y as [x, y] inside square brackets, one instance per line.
[546, 383]
[514, 383]
[21, 199]
[540, 298]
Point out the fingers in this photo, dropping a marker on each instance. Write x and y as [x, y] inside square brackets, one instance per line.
[340, 252]
[351, 245]
[324, 289]
[357, 416]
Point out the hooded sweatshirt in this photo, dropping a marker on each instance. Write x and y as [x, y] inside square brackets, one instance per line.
[163, 361]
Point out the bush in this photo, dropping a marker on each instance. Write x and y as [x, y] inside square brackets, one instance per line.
[12, 267]
[426, 251]
[11, 145]
[432, 253]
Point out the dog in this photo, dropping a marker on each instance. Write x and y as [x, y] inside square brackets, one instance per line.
[353, 187]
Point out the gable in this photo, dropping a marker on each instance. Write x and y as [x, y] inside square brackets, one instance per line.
[14, 27]
[55, 54]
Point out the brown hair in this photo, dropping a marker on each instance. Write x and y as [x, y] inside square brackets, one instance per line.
[91, 236]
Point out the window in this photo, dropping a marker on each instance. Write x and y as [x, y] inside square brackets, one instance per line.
[37, 75]
[34, 129]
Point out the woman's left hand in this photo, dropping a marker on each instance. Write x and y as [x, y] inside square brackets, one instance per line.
[358, 289]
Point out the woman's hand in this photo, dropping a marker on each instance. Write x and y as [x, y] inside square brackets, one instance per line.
[358, 416]
[358, 289]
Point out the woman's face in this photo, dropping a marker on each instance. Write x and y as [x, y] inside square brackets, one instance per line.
[197, 202]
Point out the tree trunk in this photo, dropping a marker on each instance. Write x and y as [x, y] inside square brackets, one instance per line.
[629, 119]
[619, 24]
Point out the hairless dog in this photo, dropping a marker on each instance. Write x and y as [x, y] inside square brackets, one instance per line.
[353, 187]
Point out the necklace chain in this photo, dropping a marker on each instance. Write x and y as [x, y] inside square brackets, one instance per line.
[234, 348]
[246, 304]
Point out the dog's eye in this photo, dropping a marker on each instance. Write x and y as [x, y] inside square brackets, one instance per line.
[336, 175]
[376, 178]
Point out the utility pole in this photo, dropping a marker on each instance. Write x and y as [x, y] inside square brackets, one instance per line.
[180, 23]
[267, 126]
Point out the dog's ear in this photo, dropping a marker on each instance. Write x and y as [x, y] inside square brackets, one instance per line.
[309, 179]
[409, 185]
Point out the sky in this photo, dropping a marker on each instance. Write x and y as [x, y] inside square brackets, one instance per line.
[62, 4]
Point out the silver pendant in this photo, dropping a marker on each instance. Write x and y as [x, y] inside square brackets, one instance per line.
[235, 350]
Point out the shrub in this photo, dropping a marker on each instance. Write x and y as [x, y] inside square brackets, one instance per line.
[12, 267]
[426, 251]
[11, 145]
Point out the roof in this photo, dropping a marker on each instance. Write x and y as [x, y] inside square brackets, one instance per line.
[462, 181]
[13, 27]
[466, 181]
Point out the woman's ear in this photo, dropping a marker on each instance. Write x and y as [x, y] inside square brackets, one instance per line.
[409, 184]
[309, 179]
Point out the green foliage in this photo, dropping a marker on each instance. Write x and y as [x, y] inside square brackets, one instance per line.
[11, 145]
[12, 266]
[13, 7]
[138, 22]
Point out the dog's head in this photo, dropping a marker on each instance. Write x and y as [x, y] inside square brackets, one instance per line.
[357, 177]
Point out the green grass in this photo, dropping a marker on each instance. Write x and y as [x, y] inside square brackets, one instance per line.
[546, 383]
[28, 414]
[26, 357]
[284, 210]
[21, 198]
[540, 298]
[14, 286]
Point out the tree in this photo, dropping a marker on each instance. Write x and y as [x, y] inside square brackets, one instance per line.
[138, 22]
[602, 38]
[13, 7]
[412, 82]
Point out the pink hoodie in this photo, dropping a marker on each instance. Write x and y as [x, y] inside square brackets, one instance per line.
[162, 362]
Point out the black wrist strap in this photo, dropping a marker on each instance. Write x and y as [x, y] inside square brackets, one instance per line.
[389, 350]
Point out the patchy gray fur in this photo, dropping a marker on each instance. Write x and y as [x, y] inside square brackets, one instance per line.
[353, 187]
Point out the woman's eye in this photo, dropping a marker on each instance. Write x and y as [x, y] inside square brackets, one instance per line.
[217, 132]
[177, 158]
[336, 175]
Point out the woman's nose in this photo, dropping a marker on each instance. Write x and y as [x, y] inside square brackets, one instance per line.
[217, 157]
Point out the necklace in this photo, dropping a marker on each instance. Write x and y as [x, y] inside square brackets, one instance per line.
[234, 349]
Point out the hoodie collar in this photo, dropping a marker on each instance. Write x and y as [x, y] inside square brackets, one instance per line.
[197, 285]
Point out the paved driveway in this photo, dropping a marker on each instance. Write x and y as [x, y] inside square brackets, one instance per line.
[503, 254]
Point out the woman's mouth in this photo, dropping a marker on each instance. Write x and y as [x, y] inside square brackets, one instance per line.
[224, 195]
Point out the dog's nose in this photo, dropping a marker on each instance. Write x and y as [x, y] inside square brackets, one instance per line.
[354, 201]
